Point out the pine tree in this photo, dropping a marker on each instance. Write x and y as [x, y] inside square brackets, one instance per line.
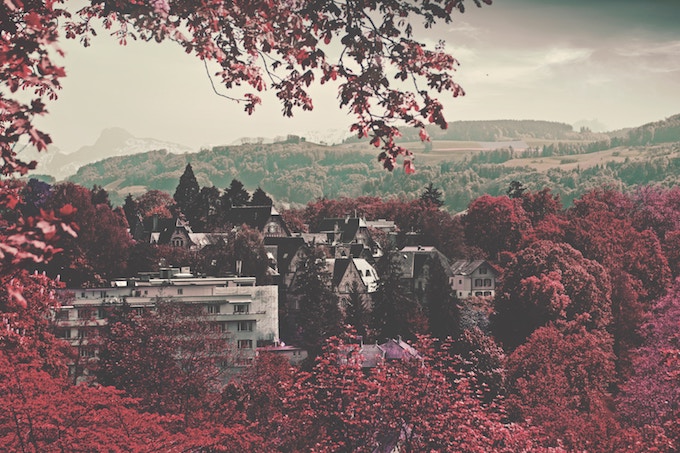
[396, 312]
[320, 316]
[442, 306]
[186, 195]
[260, 198]
[235, 195]
[130, 210]
[357, 313]
[432, 195]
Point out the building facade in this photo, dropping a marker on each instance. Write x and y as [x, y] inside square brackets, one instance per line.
[245, 313]
[476, 278]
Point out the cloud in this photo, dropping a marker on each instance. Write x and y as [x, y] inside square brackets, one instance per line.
[656, 57]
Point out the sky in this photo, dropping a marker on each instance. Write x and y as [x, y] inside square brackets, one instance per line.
[608, 63]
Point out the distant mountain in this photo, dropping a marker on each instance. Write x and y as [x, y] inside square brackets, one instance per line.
[111, 143]
[296, 172]
[493, 131]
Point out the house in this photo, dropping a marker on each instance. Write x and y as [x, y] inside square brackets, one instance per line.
[179, 233]
[176, 232]
[294, 354]
[265, 219]
[372, 355]
[247, 314]
[349, 275]
[341, 234]
[287, 252]
[416, 263]
[473, 278]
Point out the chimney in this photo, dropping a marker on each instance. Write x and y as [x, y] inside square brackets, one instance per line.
[239, 266]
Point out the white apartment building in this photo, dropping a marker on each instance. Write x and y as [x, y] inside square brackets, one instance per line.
[249, 314]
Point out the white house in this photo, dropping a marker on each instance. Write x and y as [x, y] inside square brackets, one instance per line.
[473, 278]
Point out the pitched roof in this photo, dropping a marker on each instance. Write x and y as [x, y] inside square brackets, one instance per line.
[399, 350]
[286, 248]
[413, 258]
[347, 227]
[467, 267]
[253, 216]
[371, 355]
[337, 268]
[368, 274]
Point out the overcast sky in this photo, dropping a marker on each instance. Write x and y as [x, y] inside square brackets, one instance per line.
[616, 62]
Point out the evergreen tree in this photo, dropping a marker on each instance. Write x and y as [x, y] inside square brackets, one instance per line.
[357, 313]
[235, 195]
[130, 210]
[186, 195]
[208, 209]
[443, 312]
[260, 198]
[432, 195]
[320, 316]
[396, 312]
[100, 196]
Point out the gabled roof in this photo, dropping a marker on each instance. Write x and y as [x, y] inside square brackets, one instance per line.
[286, 248]
[467, 267]
[337, 268]
[368, 274]
[347, 227]
[314, 238]
[253, 216]
[413, 258]
[399, 350]
[167, 227]
[201, 240]
[371, 355]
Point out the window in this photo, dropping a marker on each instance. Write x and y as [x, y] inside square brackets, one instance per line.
[241, 309]
[479, 293]
[86, 352]
[460, 281]
[245, 326]
[460, 293]
[487, 293]
[368, 273]
[84, 313]
[478, 282]
[62, 315]
[213, 309]
[482, 270]
[101, 313]
[64, 333]
[244, 361]
[487, 282]
[180, 291]
[245, 344]
[178, 242]
[82, 295]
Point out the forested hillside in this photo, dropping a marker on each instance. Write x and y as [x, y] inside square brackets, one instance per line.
[297, 173]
